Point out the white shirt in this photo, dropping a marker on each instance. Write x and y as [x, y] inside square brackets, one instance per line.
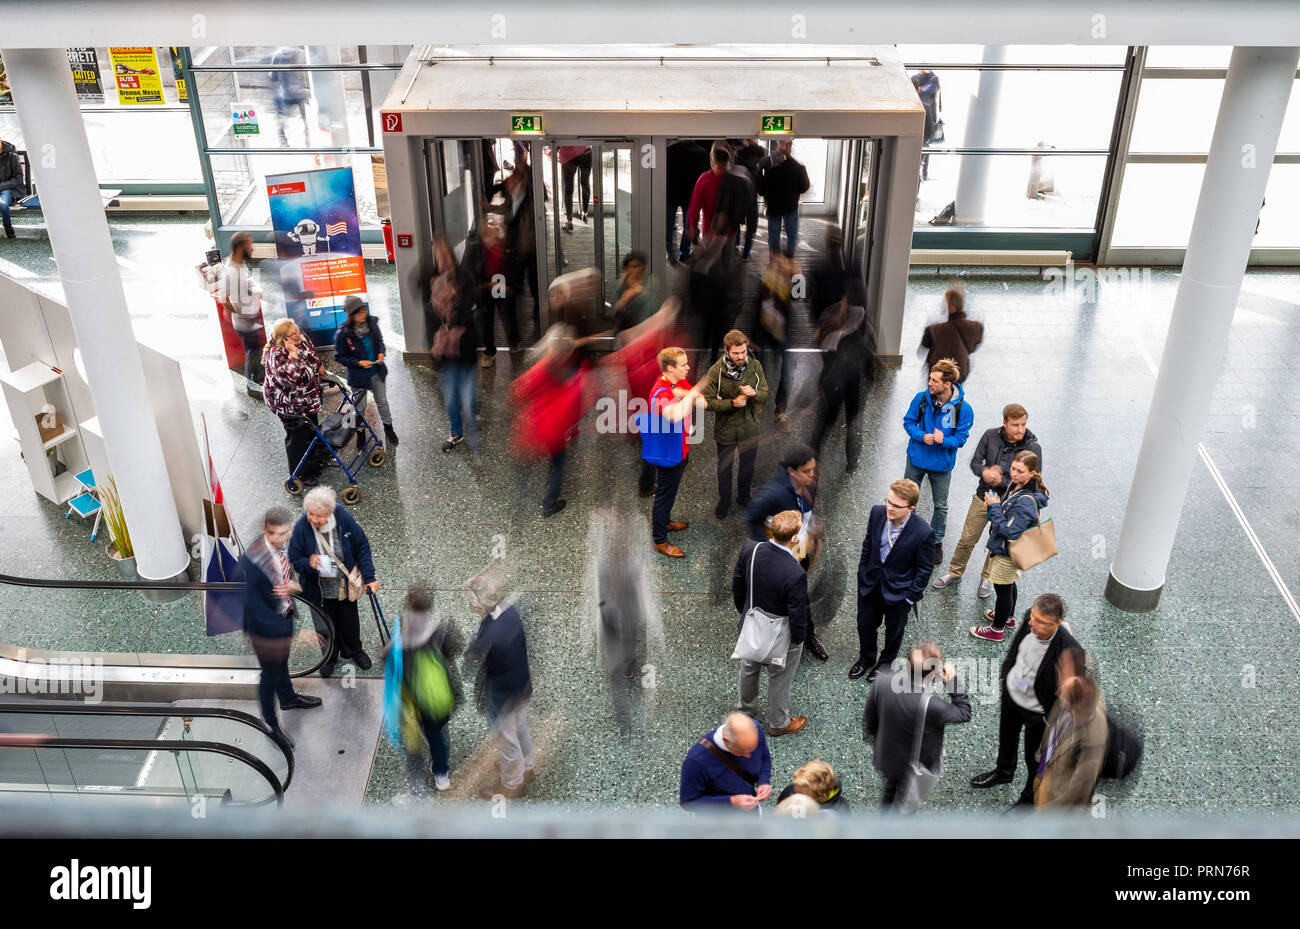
[1020, 682]
[241, 295]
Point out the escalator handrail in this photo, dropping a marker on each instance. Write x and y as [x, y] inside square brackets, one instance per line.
[166, 745]
[321, 618]
[56, 708]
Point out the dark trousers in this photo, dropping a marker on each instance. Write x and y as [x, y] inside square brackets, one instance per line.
[523, 268]
[768, 355]
[298, 434]
[555, 480]
[668, 479]
[1011, 719]
[872, 608]
[252, 342]
[747, 452]
[435, 734]
[836, 397]
[1005, 605]
[889, 791]
[494, 307]
[347, 628]
[273, 657]
[751, 226]
[568, 169]
[645, 481]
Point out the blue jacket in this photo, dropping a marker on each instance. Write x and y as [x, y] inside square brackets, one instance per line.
[906, 571]
[262, 616]
[776, 496]
[350, 351]
[352, 540]
[705, 779]
[924, 415]
[502, 649]
[1009, 519]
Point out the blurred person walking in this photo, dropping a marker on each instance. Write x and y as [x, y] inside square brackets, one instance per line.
[893, 714]
[938, 422]
[770, 578]
[454, 347]
[269, 616]
[574, 159]
[956, 337]
[848, 349]
[621, 590]
[687, 160]
[995, 448]
[1073, 750]
[730, 767]
[331, 553]
[773, 303]
[736, 391]
[500, 650]
[242, 297]
[359, 347]
[749, 155]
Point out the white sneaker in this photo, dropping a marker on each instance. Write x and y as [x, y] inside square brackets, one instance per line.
[944, 581]
[986, 588]
[442, 781]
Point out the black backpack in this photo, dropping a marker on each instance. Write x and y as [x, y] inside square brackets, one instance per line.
[1123, 750]
[734, 200]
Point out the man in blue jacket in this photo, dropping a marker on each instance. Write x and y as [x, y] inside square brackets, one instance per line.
[359, 347]
[730, 767]
[268, 615]
[939, 421]
[895, 566]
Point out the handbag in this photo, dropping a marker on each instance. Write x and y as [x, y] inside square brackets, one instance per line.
[1035, 545]
[353, 585]
[661, 438]
[919, 780]
[938, 131]
[764, 638]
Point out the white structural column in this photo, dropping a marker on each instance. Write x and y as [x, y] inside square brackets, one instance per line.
[74, 214]
[1245, 139]
[973, 175]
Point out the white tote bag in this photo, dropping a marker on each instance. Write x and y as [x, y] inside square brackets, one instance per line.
[764, 638]
[919, 780]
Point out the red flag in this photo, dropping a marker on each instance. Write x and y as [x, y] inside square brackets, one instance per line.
[216, 484]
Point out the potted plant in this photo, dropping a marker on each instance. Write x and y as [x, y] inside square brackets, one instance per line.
[120, 550]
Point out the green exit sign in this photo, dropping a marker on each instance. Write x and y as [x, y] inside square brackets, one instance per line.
[526, 124]
[777, 124]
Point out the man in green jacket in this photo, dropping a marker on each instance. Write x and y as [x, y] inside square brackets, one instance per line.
[736, 391]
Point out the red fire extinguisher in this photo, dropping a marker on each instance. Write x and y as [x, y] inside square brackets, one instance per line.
[388, 238]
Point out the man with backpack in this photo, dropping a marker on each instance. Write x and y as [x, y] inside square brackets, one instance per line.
[939, 421]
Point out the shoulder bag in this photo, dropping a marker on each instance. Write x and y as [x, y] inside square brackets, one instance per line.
[764, 638]
[351, 584]
[1035, 545]
[750, 779]
[920, 780]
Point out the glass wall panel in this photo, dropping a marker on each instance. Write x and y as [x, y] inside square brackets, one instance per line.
[1188, 56]
[1076, 182]
[1018, 54]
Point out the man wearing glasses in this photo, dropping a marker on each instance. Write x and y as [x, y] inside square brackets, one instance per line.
[897, 558]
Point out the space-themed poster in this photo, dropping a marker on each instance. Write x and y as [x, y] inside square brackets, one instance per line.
[318, 241]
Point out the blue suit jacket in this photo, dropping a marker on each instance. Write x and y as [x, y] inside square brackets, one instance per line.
[780, 586]
[262, 616]
[352, 540]
[906, 571]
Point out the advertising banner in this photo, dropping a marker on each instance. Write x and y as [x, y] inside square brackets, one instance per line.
[6, 98]
[178, 75]
[135, 71]
[318, 239]
[85, 75]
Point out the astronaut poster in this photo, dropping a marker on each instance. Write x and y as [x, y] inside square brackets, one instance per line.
[318, 241]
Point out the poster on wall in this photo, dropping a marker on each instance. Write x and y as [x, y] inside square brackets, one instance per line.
[243, 117]
[6, 98]
[318, 239]
[178, 75]
[135, 72]
[85, 75]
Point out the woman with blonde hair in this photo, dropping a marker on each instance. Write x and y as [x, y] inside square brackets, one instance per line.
[292, 392]
[1009, 517]
[817, 780]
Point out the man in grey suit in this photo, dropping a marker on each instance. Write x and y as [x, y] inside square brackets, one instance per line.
[892, 713]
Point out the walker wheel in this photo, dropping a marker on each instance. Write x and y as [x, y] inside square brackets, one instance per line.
[293, 485]
[377, 458]
[351, 495]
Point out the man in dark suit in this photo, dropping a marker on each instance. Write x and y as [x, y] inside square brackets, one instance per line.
[892, 712]
[268, 615]
[1029, 685]
[780, 588]
[897, 558]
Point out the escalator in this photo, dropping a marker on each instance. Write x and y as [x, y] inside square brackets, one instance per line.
[139, 755]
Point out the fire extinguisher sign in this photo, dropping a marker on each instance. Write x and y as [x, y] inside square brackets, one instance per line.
[392, 122]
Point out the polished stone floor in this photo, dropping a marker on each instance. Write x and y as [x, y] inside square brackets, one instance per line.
[1205, 676]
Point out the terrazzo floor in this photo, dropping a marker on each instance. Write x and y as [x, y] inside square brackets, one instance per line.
[1206, 677]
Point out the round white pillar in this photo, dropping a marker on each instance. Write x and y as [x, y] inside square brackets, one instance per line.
[74, 215]
[1241, 153]
[973, 175]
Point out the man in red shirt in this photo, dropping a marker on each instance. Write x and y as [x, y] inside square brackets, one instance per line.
[704, 198]
[671, 398]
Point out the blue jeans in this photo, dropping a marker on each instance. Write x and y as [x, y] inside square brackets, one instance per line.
[774, 223]
[6, 201]
[939, 481]
[460, 392]
[435, 733]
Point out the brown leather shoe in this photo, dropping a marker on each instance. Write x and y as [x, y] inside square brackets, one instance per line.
[669, 549]
[815, 646]
[510, 793]
[677, 526]
[796, 723]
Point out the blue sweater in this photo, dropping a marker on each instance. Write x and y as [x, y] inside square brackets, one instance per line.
[706, 780]
[925, 415]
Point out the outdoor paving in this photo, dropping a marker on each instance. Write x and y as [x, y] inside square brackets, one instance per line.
[1206, 676]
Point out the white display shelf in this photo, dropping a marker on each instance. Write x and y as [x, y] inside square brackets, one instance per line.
[66, 486]
[67, 433]
[30, 377]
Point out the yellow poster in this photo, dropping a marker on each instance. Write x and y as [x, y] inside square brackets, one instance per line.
[135, 72]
